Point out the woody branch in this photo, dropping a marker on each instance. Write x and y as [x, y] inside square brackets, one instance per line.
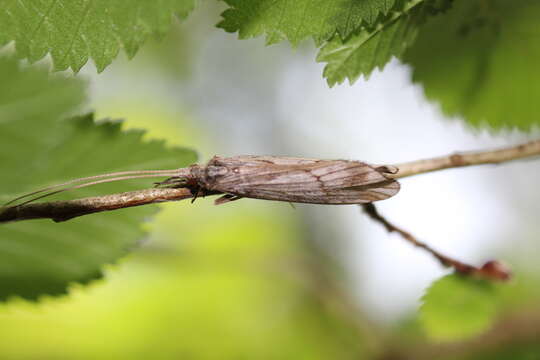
[470, 158]
[65, 210]
[493, 269]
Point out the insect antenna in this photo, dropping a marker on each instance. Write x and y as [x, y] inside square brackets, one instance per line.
[104, 178]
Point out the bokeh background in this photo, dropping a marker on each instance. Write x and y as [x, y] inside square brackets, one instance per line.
[265, 280]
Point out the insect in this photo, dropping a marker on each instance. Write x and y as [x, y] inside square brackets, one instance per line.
[276, 178]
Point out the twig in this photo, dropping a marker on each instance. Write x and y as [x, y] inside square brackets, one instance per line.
[497, 156]
[65, 210]
[492, 269]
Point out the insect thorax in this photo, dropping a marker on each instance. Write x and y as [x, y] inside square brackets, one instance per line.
[207, 175]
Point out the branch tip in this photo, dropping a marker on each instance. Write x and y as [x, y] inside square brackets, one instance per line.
[491, 270]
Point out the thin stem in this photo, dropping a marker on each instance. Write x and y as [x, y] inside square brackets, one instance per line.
[116, 201]
[470, 158]
[492, 269]
[65, 210]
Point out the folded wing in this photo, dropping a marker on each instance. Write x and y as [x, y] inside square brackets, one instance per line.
[304, 180]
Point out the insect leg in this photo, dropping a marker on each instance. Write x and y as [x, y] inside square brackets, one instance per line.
[227, 198]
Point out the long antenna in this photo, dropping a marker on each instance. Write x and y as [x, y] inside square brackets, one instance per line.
[110, 177]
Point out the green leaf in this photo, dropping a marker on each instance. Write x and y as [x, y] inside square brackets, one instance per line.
[299, 19]
[73, 31]
[38, 149]
[480, 61]
[371, 48]
[457, 307]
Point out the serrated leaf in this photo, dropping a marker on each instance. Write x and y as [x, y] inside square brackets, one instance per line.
[300, 19]
[73, 31]
[364, 52]
[457, 307]
[368, 48]
[37, 149]
[480, 61]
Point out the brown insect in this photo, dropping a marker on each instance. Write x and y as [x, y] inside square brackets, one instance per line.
[288, 179]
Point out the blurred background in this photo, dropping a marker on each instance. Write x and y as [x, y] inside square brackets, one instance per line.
[265, 280]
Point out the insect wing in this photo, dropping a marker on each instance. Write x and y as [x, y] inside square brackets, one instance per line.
[302, 180]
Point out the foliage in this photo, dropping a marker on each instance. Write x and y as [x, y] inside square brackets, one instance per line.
[369, 49]
[457, 307]
[298, 20]
[75, 31]
[41, 257]
[468, 59]
[356, 37]
[482, 65]
[373, 47]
